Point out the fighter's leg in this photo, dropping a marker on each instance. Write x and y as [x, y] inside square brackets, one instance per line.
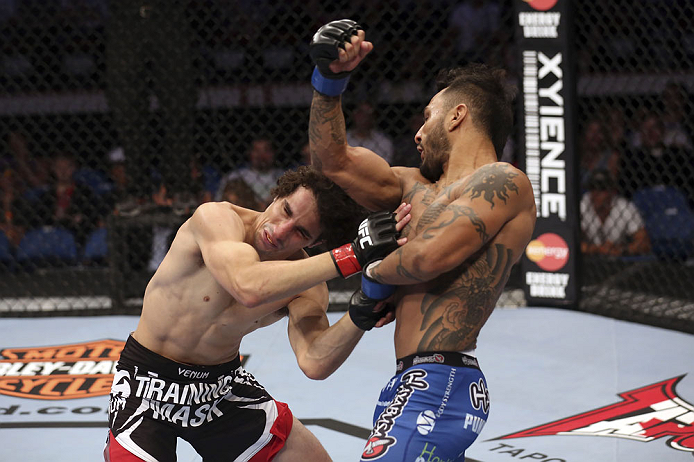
[302, 445]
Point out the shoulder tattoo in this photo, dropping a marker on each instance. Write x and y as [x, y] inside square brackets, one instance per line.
[492, 181]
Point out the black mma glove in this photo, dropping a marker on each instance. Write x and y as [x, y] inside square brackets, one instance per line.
[361, 310]
[324, 50]
[376, 238]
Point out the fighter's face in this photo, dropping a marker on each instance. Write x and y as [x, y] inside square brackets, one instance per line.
[288, 224]
[432, 140]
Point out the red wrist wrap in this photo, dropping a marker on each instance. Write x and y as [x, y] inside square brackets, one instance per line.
[345, 260]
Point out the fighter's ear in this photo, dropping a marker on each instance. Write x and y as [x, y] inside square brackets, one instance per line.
[456, 116]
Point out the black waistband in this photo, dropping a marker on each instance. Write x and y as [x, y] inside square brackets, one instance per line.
[449, 358]
[134, 354]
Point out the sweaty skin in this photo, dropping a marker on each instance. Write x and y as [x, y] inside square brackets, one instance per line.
[471, 216]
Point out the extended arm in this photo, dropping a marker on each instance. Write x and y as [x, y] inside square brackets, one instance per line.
[236, 265]
[219, 234]
[363, 174]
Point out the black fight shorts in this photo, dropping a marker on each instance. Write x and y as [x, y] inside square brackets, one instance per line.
[221, 410]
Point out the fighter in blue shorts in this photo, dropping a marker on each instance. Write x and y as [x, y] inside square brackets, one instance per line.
[433, 409]
[472, 217]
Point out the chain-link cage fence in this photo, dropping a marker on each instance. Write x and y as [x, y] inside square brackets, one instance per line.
[120, 117]
[635, 62]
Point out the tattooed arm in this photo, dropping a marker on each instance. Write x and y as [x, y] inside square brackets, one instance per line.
[448, 233]
[363, 174]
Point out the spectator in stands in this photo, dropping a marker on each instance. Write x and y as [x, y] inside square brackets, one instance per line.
[596, 153]
[261, 172]
[29, 171]
[65, 203]
[474, 23]
[365, 133]
[653, 162]
[611, 225]
[118, 179]
[677, 129]
[10, 196]
[617, 130]
[148, 50]
[238, 192]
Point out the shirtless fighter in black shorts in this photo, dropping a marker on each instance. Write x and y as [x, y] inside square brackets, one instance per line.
[230, 271]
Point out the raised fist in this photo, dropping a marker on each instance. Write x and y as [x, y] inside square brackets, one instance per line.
[324, 48]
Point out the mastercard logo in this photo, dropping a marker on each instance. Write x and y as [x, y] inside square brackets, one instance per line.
[549, 251]
[541, 5]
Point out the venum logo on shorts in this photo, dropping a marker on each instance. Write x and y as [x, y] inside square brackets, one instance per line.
[79, 370]
[479, 396]
[379, 441]
[644, 414]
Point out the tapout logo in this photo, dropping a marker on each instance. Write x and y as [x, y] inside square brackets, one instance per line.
[549, 251]
[541, 5]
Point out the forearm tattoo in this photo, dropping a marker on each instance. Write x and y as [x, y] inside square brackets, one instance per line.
[326, 126]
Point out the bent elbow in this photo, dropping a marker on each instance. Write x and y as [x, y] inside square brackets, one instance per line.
[425, 266]
[314, 371]
[248, 295]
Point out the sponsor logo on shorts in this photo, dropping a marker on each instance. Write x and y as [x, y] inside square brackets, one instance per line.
[426, 420]
[428, 454]
[435, 358]
[479, 396]
[446, 393]
[79, 370]
[379, 441]
[645, 414]
[190, 374]
[474, 423]
[186, 405]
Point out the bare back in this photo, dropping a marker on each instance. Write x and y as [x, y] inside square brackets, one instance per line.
[447, 312]
[191, 318]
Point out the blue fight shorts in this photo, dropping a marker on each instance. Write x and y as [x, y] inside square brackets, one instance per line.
[432, 409]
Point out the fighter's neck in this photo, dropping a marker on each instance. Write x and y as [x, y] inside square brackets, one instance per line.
[465, 160]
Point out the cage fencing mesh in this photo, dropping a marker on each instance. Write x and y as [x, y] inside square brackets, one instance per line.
[119, 118]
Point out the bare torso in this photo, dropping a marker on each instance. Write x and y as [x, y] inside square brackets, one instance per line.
[187, 316]
[447, 313]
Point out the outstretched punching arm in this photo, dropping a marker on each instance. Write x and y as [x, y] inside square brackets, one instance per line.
[219, 236]
[336, 49]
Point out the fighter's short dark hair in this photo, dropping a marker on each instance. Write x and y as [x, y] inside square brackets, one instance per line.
[487, 95]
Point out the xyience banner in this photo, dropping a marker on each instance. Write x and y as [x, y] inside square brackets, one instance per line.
[546, 120]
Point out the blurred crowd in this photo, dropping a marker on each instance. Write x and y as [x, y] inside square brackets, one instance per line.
[636, 176]
[632, 153]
